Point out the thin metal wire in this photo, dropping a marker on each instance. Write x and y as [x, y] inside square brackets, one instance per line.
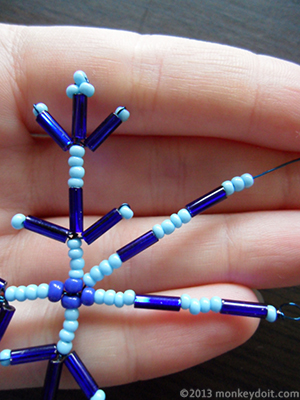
[282, 315]
[279, 166]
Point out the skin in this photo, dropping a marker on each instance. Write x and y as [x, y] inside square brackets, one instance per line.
[201, 113]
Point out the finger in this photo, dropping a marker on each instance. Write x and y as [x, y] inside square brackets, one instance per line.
[147, 343]
[156, 176]
[173, 86]
[258, 250]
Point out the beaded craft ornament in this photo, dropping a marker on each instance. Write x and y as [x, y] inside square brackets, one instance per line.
[78, 289]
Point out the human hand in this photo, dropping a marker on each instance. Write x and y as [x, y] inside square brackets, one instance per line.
[200, 114]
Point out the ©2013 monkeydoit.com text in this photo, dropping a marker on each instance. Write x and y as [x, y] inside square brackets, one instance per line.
[238, 394]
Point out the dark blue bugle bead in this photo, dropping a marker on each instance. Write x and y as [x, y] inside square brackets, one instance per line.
[3, 284]
[101, 226]
[206, 201]
[137, 246]
[31, 354]
[46, 228]
[76, 210]
[52, 379]
[79, 117]
[244, 308]
[81, 375]
[58, 134]
[102, 132]
[154, 302]
[6, 314]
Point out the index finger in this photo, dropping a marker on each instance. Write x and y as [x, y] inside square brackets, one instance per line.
[172, 85]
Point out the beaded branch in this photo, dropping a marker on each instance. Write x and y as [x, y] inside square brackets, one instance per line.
[78, 289]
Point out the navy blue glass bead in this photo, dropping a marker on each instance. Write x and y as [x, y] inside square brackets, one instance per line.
[31, 354]
[102, 132]
[244, 309]
[70, 302]
[3, 284]
[52, 379]
[55, 291]
[101, 226]
[46, 228]
[81, 375]
[73, 286]
[79, 117]
[206, 201]
[52, 127]
[155, 302]
[137, 246]
[87, 296]
[76, 210]
[6, 314]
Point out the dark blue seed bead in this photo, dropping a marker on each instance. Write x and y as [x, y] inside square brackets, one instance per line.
[55, 291]
[70, 302]
[52, 127]
[73, 286]
[206, 201]
[136, 246]
[81, 375]
[154, 302]
[79, 117]
[3, 284]
[87, 296]
[52, 379]
[6, 314]
[244, 308]
[32, 354]
[102, 132]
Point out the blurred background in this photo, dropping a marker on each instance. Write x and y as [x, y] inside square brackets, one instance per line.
[270, 360]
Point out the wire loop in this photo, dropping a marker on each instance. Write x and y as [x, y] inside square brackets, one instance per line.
[282, 315]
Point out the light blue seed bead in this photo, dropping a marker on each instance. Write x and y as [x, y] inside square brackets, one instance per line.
[119, 299]
[129, 297]
[168, 226]
[77, 151]
[175, 219]
[272, 314]
[71, 326]
[5, 357]
[126, 212]
[21, 293]
[80, 77]
[184, 215]
[87, 89]
[75, 253]
[96, 274]
[75, 161]
[17, 221]
[66, 336]
[72, 314]
[74, 243]
[248, 180]
[185, 301]
[109, 297]
[238, 183]
[122, 113]
[158, 231]
[77, 172]
[43, 290]
[77, 263]
[64, 348]
[204, 305]
[39, 108]
[195, 307]
[10, 293]
[88, 280]
[115, 261]
[71, 90]
[99, 296]
[76, 273]
[105, 268]
[228, 187]
[216, 304]
[99, 395]
[75, 183]
[31, 292]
